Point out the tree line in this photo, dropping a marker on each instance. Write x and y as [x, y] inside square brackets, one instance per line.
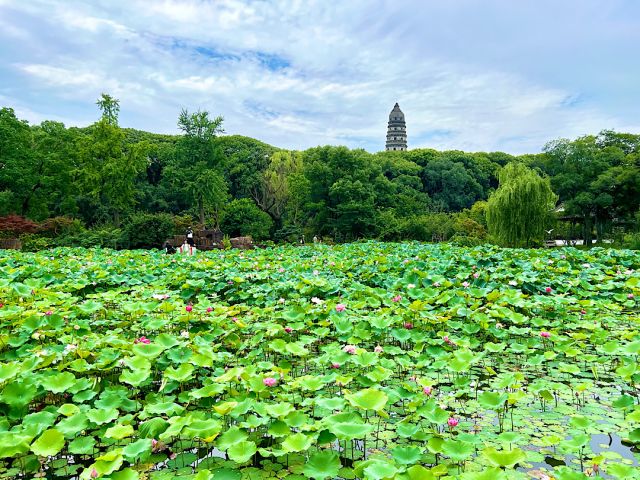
[109, 179]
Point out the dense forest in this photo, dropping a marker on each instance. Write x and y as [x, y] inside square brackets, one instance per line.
[113, 186]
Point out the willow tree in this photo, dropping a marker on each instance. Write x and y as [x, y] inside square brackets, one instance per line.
[520, 209]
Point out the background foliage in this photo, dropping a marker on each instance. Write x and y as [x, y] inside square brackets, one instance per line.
[103, 175]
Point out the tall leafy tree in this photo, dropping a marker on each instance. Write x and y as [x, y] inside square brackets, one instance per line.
[272, 193]
[519, 210]
[109, 165]
[195, 172]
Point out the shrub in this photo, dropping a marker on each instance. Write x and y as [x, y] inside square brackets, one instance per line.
[148, 230]
[243, 218]
[62, 226]
[32, 242]
[14, 225]
[632, 241]
[181, 223]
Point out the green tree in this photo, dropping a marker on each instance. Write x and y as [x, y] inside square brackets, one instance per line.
[194, 172]
[110, 108]
[519, 210]
[272, 193]
[243, 217]
[108, 165]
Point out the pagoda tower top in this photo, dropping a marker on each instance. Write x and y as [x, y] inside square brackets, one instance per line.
[396, 130]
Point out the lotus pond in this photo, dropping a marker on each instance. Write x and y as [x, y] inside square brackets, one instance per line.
[369, 360]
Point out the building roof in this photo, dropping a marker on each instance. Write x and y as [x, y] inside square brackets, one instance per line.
[396, 112]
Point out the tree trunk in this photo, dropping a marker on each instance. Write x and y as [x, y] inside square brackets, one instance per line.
[587, 231]
[201, 211]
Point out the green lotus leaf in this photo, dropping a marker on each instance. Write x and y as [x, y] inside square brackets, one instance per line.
[231, 437]
[125, 474]
[321, 465]
[368, 399]
[181, 374]
[379, 470]
[205, 430]
[48, 444]
[297, 442]
[151, 350]
[106, 464]
[135, 450]
[152, 428]
[504, 458]
[70, 426]
[119, 432]
[618, 470]
[101, 416]
[418, 472]
[9, 371]
[58, 383]
[82, 445]
[457, 450]
[406, 455]
[241, 452]
[492, 400]
[13, 443]
[279, 410]
[634, 436]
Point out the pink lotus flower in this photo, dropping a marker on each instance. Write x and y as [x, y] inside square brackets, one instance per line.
[234, 319]
[427, 390]
[340, 307]
[548, 290]
[142, 339]
[397, 298]
[545, 334]
[630, 296]
[188, 308]
[408, 325]
[378, 349]
[563, 257]
[154, 443]
[94, 473]
[317, 301]
[583, 312]
[465, 284]
[269, 381]
[209, 309]
[436, 284]
[476, 275]
[281, 270]
[48, 313]
[288, 329]
[350, 349]
[230, 282]
[335, 365]
[452, 422]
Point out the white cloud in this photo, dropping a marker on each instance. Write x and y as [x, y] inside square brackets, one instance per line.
[301, 73]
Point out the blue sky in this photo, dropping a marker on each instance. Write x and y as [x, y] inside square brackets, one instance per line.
[469, 74]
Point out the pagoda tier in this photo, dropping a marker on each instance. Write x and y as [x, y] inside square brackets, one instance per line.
[396, 130]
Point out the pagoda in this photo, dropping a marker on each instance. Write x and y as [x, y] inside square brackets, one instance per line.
[397, 130]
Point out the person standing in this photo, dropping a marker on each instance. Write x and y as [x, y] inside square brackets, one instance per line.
[190, 237]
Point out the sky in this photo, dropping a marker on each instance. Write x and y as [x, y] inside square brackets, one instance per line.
[473, 75]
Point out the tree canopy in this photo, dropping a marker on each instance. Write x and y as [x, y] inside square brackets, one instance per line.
[102, 174]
